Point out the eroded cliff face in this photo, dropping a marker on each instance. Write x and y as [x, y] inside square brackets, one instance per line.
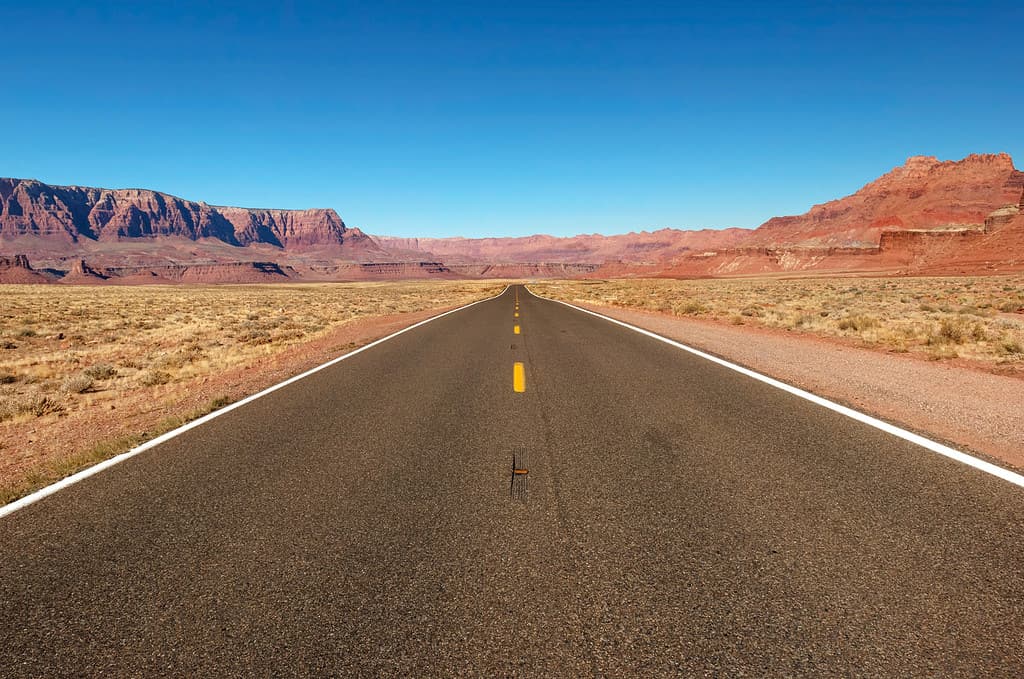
[292, 229]
[924, 216]
[16, 269]
[924, 193]
[29, 208]
[644, 246]
[230, 272]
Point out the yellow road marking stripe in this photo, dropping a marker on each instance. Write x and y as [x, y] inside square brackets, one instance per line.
[515, 329]
[518, 377]
[516, 315]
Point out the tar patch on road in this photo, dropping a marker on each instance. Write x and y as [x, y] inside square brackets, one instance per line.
[519, 484]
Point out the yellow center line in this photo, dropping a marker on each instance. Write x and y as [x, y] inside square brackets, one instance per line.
[515, 329]
[518, 377]
[516, 314]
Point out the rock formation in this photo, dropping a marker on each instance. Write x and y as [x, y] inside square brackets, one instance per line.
[16, 269]
[584, 249]
[71, 214]
[924, 216]
[924, 193]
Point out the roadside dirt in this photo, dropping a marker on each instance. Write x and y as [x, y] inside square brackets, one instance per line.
[27, 447]
[956, 403]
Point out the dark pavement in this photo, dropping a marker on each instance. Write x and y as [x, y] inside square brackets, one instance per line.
[679, 519]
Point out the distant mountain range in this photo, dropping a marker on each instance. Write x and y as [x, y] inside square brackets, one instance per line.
[925, 216]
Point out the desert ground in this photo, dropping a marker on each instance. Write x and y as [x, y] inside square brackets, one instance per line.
[88, 372]
[939, 356]
[974, 321]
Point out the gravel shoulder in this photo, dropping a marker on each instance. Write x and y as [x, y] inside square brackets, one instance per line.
[956, 404]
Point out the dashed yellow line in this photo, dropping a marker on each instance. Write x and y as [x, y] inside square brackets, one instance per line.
[515, 315]
[515, 329]
[518, 377]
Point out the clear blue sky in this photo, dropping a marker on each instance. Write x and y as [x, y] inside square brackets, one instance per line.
[505, 118]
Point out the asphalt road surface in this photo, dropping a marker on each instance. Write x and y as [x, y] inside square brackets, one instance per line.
[670, 517]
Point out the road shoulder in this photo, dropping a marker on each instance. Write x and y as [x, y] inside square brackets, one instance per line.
[36, 452]
[968, 409]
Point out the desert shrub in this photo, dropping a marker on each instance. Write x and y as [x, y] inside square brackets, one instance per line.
[957, 331]
[288, 335]
[8, 378]
[1009, 306]
[35, 404]
[219, 402]
[858, 323]
[26, 332]
[1010, 346]
[690, 309]
[180, 357]
[152, 378]
[45, 405]
[8, 408]
[101, 371]
[78, 383]
[253, 337]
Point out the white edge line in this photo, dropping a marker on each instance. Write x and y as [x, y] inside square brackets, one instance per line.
[898, 432]
[152, 443]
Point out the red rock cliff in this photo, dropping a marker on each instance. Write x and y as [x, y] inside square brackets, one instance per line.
[924, 193]
[74, 213]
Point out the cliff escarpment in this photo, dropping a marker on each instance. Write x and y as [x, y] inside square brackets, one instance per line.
[71, 214]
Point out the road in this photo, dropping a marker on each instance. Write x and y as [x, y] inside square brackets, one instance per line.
[679, 518]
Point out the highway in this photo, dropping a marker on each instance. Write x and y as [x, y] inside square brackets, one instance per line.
[613, 506]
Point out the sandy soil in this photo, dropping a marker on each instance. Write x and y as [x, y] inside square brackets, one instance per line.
[957, 404]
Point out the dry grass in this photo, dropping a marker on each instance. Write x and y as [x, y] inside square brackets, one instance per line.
[70, 352]
[980, 319]
[59, 467]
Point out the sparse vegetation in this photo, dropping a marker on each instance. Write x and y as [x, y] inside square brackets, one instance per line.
[101, 371]
[979, 319]
[77, 384]
[32, 403]
[152, 378]
[73, 352]
[858, 323]
[58, 468]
